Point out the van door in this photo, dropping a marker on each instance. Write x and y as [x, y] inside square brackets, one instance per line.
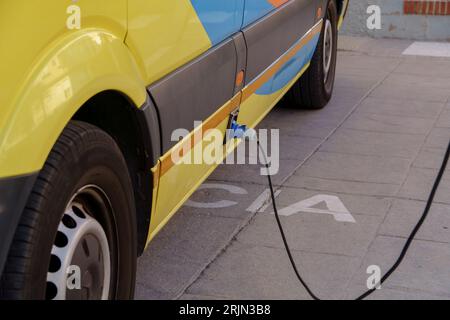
[190, 53]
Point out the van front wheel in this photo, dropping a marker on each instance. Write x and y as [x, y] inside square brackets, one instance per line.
[76, 239]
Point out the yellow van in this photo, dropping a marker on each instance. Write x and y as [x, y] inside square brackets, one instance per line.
[90, 94]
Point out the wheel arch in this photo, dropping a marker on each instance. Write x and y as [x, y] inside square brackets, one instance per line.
[342, 6]
[63, 78]
[76, 72]
[136, 132]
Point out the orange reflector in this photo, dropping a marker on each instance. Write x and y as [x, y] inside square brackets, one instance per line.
[319, 13]
[278, 3]
[240, 78]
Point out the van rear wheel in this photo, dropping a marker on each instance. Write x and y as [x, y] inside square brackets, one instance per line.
[315, 87]
[76, 239]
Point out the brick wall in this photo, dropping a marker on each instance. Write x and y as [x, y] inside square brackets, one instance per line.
[427, 7]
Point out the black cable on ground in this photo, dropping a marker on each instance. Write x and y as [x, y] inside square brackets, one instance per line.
[405, 247]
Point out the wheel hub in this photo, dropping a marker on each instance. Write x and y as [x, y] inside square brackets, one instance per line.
[327, 49]
[80, 266]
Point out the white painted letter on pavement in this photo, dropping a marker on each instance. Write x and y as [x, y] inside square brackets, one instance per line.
[218, 204]
[335, 208]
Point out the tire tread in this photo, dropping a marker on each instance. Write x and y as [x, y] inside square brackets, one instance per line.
[13, 279]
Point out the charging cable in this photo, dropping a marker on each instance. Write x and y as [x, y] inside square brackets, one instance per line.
[404, 250]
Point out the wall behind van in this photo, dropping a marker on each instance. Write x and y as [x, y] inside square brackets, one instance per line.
[404, 19]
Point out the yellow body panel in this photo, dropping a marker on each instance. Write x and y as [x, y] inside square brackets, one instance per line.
[28, 28]
[165, 34]
[48, 75]
[178, 184]
[342, 16]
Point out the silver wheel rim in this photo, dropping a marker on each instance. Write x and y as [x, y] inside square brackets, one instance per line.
[80, 249]
[327, 49]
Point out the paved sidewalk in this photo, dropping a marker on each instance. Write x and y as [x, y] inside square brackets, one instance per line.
[375, 150]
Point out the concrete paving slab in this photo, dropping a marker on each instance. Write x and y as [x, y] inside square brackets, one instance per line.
[194, 297]
[223, 200]
[429, 158]
[438, 138]
[314, 232]
[419, 183]
[244, 272]
[304, 228]
[395, 294]
[370, 64]
[343, 186]
[367, 143]
[377, 74]
[170, 262]
[411, 92]
[401, 107]
[334, 115]
[367, 66]
[404, 214]
[389, 124]
[377, 47]
[313, 128]
[295, 148]
[421, 66]
[356, 81]
[352, 167]
[444, 119]
[252, 173]
[196, 236]
[163, 277]
[345, 95]
[424, 81]
[386, 47]
[348, 43]
[425, 270]
[142, 292]
[429, 49]
[294, 122]
[356, 204]
[258, 272]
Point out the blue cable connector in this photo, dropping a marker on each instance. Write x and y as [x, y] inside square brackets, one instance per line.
[237, 131]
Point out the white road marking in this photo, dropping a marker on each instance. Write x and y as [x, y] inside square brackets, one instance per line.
[260, 205]
[218, 204]
[335, 208]
[429, 49]
[334, 205]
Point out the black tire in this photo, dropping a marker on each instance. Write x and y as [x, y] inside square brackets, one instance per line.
[311, 91]
[83, 156]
